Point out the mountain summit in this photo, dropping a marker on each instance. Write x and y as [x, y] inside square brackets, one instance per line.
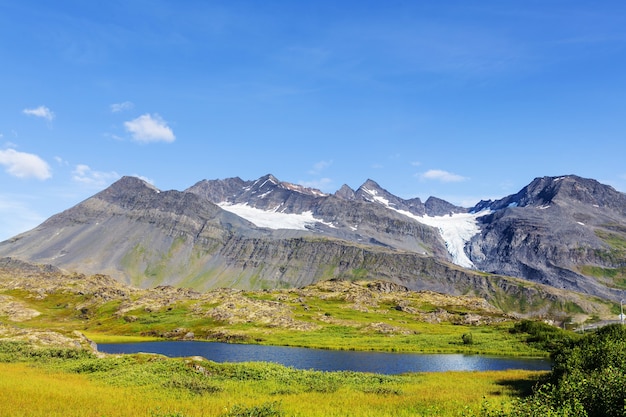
[567, 232]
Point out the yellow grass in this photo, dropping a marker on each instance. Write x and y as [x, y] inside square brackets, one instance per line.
[109, 338]
[27, 390]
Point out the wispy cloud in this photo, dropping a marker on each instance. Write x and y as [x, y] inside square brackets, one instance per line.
[150, 128]
[321, 184]
[97, 179]
[441, 175]
[24, 165]
[61, 161]
[41, 111]
[16, 216]
[320, 166]
[119, 107]
[146, 179]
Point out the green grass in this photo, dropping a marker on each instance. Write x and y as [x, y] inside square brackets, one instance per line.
[327, 320]
[60, 383]
[336, 315]
[613, 277]
[616, 255]
[616, 241]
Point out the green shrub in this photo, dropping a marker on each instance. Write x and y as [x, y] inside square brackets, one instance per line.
[543, 335]
[194, 384]
[588, 379]
[270, 409]
[11, 351]
[468, 339]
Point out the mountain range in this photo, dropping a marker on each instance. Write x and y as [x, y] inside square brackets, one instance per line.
[558, 241]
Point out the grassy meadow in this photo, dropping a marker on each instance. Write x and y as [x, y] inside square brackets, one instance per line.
[63, 382]
[40, 378]
[321, 318]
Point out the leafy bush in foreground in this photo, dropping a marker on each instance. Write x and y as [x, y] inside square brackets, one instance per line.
[588, 380]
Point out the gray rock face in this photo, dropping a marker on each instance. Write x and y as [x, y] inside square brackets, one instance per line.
[551, 230]
[437, 207]
[345, 193]
[348, 215]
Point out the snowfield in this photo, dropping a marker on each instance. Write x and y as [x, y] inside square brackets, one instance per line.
[272, 219]
[455, 229]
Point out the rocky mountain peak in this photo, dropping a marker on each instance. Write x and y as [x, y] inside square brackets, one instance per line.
[218, 191]
[585, 191]
[130, 183]
[371, 191]
[268, 177]
[370, 186]
[438, 207]
[269, 182]
[345, 193]
[564, 190]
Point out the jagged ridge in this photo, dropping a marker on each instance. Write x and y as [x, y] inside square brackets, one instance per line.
[567, 232]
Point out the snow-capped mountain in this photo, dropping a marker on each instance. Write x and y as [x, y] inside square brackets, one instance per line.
[567, 232]
[267, 202]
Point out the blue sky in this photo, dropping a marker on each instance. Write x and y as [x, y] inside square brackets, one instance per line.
[463, 100]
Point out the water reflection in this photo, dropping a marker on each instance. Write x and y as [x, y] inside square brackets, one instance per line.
[330, 360]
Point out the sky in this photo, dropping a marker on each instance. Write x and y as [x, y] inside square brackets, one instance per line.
[462, 100]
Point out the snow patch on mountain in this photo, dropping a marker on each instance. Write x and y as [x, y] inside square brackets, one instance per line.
[377, 198]
[273, 219]
[456, 229]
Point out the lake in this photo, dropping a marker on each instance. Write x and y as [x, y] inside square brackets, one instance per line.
[330, 360]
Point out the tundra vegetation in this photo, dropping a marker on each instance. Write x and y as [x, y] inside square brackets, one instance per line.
[47, 367]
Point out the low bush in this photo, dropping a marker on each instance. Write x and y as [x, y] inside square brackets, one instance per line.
[270, 409]
[467, 338]
[194, 384]
[12, 351]
[588, 379]
[544, 336]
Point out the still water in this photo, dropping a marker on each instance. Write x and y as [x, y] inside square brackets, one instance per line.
[330, 360]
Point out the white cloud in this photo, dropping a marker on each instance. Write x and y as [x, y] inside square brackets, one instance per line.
[16, 216]
[97, 179]
[321, 184]
[320, 166]
[119, 107]
[146, 179]
[440, 175]
[61, 161]
[150, 128]
[24, 165]
[416, 163]
[41, 111]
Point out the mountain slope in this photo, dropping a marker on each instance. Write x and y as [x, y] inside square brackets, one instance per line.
[566, 232]
[146, 237]
[556, 231]
[270, 203]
